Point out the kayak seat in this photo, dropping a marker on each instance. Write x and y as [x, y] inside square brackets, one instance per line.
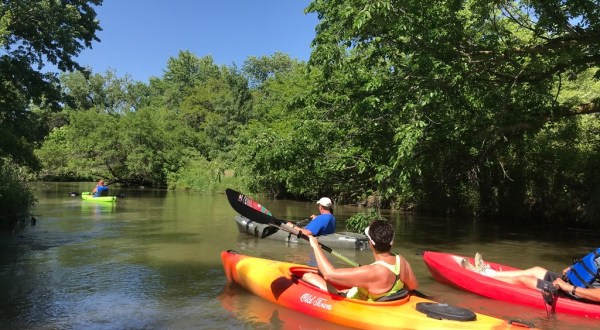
[394, 296]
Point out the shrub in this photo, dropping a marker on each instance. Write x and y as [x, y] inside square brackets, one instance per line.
[360, 221]
[16, 196]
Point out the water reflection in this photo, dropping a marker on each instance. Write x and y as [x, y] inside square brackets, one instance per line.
[97, 208]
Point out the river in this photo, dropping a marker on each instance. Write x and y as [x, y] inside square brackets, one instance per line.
[152, 261]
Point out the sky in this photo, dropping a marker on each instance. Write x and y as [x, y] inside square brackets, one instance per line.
[139, 36]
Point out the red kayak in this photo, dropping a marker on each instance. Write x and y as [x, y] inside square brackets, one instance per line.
[446, 268]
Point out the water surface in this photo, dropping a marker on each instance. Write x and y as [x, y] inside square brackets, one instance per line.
[152, 261]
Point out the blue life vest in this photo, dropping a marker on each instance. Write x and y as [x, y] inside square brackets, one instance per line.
[101, 191]
[584, 272]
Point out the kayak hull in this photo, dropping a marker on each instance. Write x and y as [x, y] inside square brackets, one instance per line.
[446, 268]
[280, 283]
[88, 196]
[347, 240]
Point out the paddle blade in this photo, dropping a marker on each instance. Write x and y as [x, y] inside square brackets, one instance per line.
[549, 294]
[268, 231]
[249, 208]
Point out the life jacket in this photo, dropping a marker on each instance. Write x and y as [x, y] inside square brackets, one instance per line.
[585, 271]
[101, 191]
[364, 294]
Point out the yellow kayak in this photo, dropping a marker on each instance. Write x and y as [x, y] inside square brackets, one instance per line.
[280, 283]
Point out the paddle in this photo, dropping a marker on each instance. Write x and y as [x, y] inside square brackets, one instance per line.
[271, 229]
[74, 194]
[254, 211]
[549, 294]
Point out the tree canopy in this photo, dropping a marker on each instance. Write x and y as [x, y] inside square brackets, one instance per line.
[32, 35]
[473, 107]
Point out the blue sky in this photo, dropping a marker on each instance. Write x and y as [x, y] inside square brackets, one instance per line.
[139, 36]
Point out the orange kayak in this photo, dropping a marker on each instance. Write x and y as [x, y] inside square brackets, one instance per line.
[280, 283]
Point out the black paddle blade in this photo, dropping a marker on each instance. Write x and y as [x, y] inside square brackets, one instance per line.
[249, 208]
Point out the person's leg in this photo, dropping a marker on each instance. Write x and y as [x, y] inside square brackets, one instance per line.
[319, 282]
[526, 277]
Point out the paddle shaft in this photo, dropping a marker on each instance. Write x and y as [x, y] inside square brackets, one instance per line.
[299, 234]
[74, 193]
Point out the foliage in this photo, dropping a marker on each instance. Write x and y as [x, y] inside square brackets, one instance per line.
[457, 87]
[282, 152]
[139, 135]
[260, 69]
[359, 221]
[202, 175]
[33, 33]
[16, 196]
[562, 159]
[462, 107]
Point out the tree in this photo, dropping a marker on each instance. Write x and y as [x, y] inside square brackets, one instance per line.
[457, 87]
[33, 33]
[259, 69]
[183, 73]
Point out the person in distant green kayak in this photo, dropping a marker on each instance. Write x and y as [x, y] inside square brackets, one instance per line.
[101, 189]
[386, 276]
[321, 224]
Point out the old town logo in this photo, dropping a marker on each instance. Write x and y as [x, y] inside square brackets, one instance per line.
[307, 298]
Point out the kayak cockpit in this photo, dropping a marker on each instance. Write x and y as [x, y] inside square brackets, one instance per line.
[297, 272]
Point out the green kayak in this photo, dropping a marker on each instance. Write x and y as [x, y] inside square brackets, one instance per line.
[88, 196]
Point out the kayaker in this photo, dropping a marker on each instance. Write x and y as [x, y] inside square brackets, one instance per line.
[388, 274]
[321, 224]
[101, 189]
[581, 281]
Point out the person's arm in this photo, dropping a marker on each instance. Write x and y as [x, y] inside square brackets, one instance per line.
[592, 294]
[407, 275]
[359, 276]
[304, 231]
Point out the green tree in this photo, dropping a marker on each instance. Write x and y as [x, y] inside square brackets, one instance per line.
[182, 74]
[456, 87]
[259, 69]
[86, 137]
[138, 135]
[31, 35]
